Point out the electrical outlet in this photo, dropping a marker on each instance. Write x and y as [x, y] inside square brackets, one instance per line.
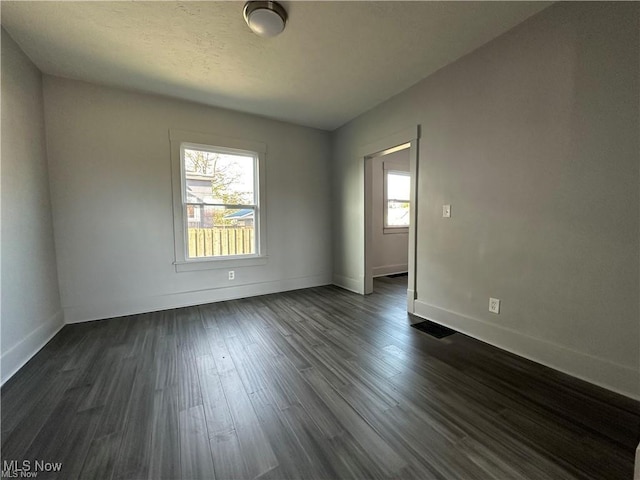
[232, 275]
[494, 305]
[446, 211]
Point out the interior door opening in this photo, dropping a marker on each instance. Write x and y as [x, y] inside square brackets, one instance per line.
[388, 183]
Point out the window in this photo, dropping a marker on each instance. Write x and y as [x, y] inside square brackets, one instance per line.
[397, 189]
[193, 214]
[218, 197]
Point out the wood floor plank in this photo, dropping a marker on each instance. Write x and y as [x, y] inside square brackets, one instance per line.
[195, 452]
[458, 420]
[250, 376]
[74, 450]
[311, 440]
[135, 450]
[101, 457]
[118, 393]
[59, 432]
[257, 450]
[16, 443]
[164, 457]
[294, 461]
[262, 360]
[380, 453]
[258, 453]
[228, 457]
[21, 392]
[166, 362]
[216, 409]
[103, 378]
[189, 391]
[290, 382]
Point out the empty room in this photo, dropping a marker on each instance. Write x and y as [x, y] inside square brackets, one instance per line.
[320, 240]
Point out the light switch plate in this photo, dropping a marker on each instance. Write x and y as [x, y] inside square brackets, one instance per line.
[446, 211]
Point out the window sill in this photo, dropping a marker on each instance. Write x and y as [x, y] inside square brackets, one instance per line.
[392, 230]
[216, 263]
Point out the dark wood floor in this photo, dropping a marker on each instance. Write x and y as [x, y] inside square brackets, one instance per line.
[317, 383]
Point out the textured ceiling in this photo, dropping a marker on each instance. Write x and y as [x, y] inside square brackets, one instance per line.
[334, 61]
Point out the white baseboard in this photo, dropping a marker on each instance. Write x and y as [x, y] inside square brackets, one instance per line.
[636, 475]
[134, 306]
[612, 376]
[389, 270]
[354, 285]
[15, 358]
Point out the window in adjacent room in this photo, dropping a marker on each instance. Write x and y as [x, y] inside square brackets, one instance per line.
[397, 187]
[217, 205]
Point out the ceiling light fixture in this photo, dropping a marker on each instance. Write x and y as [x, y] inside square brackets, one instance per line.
[266, 19]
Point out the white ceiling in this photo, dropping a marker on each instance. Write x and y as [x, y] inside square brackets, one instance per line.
[334, 61]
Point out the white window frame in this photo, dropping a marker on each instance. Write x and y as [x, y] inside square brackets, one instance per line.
[386, 227]
[180, 139]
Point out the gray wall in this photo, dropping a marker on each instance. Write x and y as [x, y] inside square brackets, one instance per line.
[31, 311]
[109, 163]
[533, 140]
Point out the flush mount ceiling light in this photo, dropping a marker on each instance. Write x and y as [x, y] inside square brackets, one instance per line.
[266, 19]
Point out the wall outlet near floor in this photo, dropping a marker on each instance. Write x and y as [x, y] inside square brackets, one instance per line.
[232, 275]
[446, 211]
[494, 305]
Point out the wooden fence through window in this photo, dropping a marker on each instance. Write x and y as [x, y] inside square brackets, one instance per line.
[209, 242]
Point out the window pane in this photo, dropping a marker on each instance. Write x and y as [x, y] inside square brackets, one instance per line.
[397, 213]
[213, 177]
[398, 186]
[220, 231]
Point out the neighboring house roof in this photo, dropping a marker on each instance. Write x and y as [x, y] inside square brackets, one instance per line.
[241, 214]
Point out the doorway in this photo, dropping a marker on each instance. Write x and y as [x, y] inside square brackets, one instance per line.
[390, 215]
[390, 169]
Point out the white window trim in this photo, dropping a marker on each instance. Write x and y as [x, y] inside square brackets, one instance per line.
[184, 264]
[391, 229]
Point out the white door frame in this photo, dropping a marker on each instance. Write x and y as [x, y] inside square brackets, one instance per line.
[372, 150]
